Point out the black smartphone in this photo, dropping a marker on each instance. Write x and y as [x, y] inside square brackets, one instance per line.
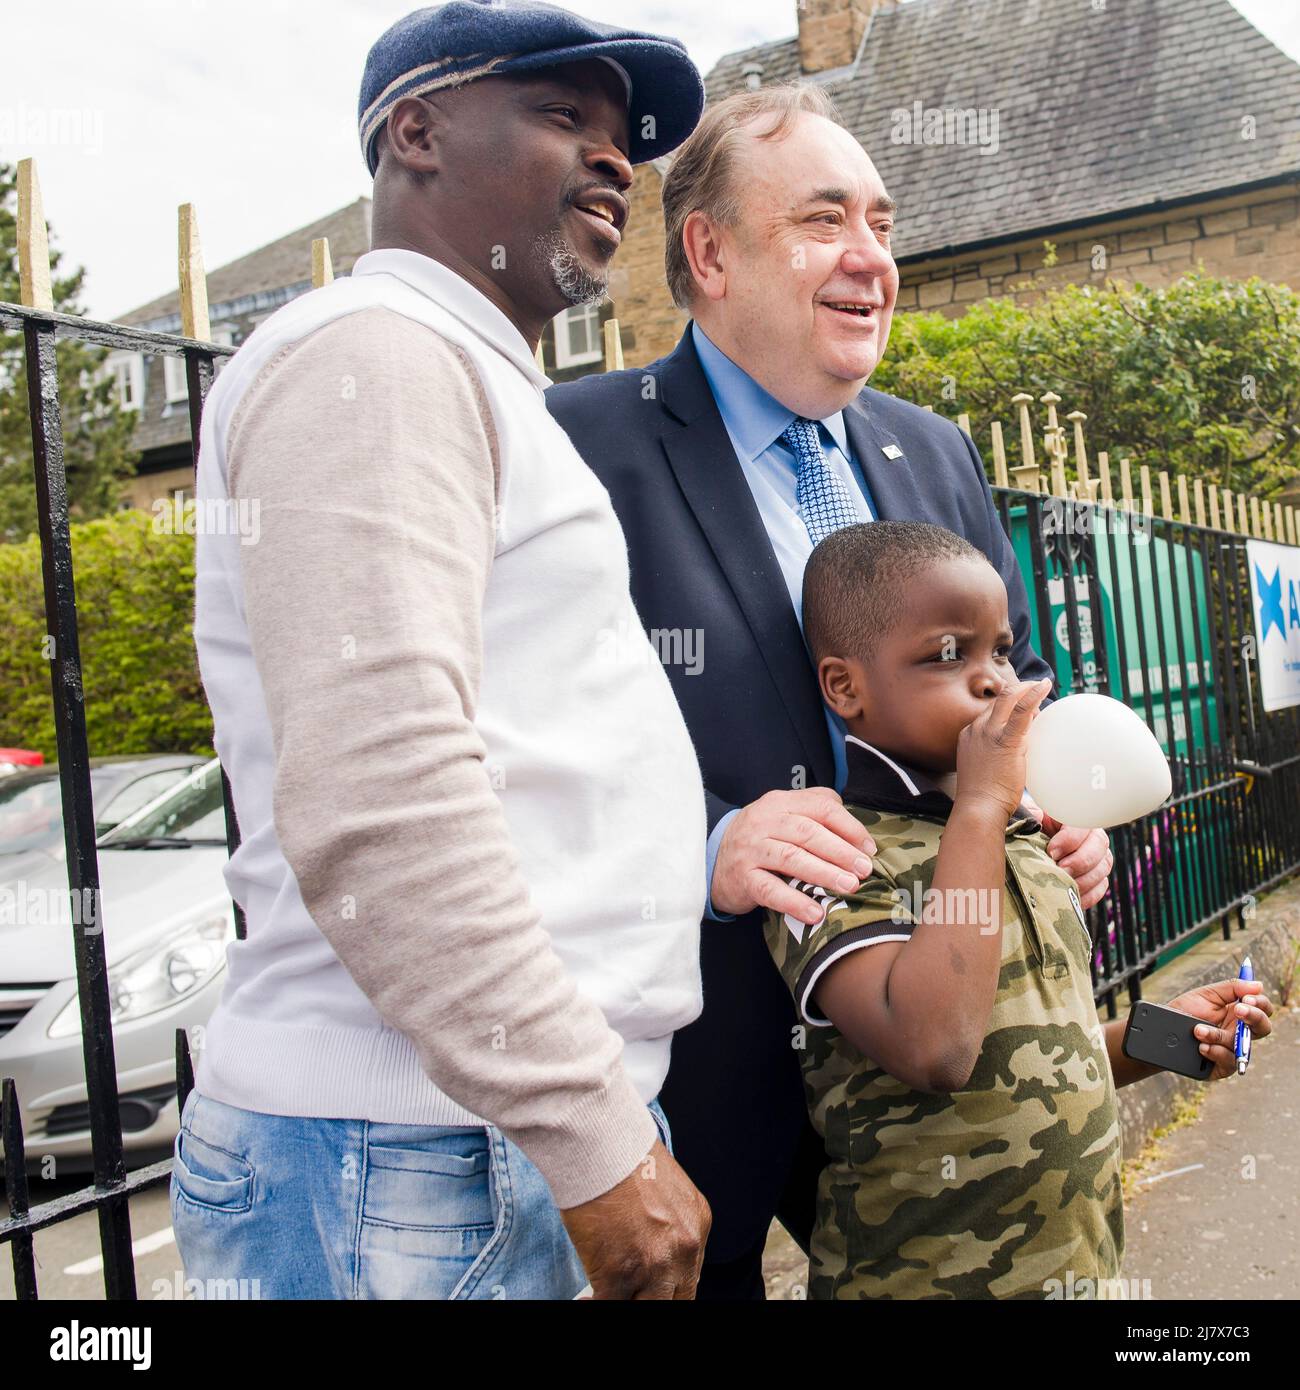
[1163, 1037]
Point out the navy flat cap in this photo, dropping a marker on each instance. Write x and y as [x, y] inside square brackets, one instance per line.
[449, 45]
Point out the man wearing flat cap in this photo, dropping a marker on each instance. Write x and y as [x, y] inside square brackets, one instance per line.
[472, 826]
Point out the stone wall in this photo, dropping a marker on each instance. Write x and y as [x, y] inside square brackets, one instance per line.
[649, 322]
[1254, 234]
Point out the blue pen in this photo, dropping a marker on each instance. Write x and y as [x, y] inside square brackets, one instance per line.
[1242, 1047]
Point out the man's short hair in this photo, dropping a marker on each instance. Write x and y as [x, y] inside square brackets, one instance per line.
[856, 579]
[700, 178]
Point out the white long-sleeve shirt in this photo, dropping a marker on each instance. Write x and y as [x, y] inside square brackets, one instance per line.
[472, 822]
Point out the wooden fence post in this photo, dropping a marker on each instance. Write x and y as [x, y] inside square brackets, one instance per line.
[1103, 473]
[193, 282]
[322, 268]
[999, 455]
[34, 288]
[613, 346]
[1166, 501]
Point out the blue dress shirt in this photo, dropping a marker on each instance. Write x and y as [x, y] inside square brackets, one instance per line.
[755, 422]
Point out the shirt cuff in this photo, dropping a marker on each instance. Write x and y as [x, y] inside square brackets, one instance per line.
[710, 858]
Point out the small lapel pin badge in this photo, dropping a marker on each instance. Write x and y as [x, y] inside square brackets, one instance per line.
[891, 451]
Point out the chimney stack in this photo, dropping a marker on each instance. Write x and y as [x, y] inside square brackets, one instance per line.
[830, 31]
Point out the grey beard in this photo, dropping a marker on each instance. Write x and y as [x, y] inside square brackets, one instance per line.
[571, 278]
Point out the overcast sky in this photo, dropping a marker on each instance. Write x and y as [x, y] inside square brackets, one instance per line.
[247, 108]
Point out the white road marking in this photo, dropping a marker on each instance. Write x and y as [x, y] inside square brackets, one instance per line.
[138, 1247]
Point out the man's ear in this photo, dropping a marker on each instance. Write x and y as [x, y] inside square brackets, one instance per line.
[413, 133]
[704, 255]
[842, 686]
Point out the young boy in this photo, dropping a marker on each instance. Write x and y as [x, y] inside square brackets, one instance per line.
[952, 1055]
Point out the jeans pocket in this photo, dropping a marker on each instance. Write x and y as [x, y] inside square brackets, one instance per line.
[428, 1210]
[210, 1177]
[436, 1187]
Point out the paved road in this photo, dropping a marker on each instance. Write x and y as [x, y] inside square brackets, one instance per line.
[1217, 1216]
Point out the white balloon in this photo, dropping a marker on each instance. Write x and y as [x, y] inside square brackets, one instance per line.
[1091, 761]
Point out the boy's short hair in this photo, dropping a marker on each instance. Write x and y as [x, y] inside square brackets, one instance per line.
[855, 580]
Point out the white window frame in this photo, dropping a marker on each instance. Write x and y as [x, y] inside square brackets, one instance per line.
[562, 322]
[132, 378]
[174, 384]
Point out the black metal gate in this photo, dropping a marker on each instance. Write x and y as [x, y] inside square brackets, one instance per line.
[113, 1186]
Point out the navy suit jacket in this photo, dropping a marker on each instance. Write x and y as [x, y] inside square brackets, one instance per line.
[700, 559]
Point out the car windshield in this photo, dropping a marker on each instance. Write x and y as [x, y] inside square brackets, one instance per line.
[192, 813]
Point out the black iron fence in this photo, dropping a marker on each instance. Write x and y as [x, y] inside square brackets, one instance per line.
[1151, 610]
[1157, 612]
[113, 1186]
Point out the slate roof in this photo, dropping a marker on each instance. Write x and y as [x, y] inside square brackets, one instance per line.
[1099, 111]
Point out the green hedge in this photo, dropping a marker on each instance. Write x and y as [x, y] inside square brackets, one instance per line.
[135, 614]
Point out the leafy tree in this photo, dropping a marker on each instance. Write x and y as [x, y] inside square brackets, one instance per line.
[96, 435]
[135, 609]
[1201, 378]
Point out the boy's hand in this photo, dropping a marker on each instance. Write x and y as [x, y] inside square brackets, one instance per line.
[991, 748]
[1221, 1005]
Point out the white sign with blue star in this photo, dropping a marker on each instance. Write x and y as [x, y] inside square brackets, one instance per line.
[1275, 602]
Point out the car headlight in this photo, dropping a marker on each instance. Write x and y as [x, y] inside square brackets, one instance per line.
[160, 975]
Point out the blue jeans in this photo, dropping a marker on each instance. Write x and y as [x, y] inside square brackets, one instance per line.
[298, 1207]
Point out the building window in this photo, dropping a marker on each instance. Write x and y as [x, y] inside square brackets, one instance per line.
[174, 379]
[127, 371]
[174, 367]
[577, 336]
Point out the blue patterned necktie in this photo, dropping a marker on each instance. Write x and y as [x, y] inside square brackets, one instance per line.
[823, 499]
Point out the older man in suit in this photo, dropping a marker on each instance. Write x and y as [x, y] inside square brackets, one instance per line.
[727, 461]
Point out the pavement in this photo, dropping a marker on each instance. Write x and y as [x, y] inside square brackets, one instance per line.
[1214, 1212]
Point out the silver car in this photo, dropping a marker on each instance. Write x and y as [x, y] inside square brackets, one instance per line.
[167, 918]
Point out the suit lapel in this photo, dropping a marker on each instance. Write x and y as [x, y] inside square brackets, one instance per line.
[704, 463]
[891, 481]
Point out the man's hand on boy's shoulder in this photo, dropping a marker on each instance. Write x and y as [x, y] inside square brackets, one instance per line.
[1084, 854]
[806, 835]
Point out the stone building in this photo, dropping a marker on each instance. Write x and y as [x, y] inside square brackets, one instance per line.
[1138, 137]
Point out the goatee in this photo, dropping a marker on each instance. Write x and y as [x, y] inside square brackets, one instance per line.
[573, 280]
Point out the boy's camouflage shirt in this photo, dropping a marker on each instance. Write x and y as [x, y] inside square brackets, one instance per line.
[995, 1190]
